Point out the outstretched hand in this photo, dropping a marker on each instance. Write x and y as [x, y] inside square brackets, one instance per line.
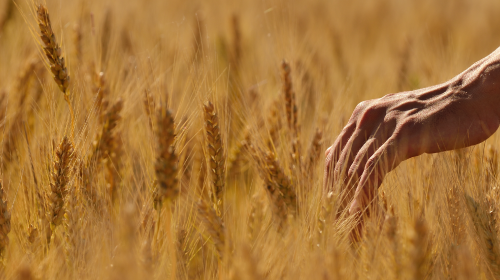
[382, 133]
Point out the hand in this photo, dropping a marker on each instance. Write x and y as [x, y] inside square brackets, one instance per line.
[382, 133]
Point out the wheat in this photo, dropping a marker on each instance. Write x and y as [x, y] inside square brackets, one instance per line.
[235, 158]
[277, 201]
[52, 50]
[101, 89]
[314, 151]
[106, 140]
[213, 225]
[281, 181]
[486, 234]
[166, 160]
[54, 55]
[215, 152]
[419, 251]
[4, 220]
[59, 187]
[289, 96]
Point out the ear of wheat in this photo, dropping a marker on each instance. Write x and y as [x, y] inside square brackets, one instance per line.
[60, 180]
[486, 235]
[213, 225]
[216, 158]
[166, 160]
[52, 50]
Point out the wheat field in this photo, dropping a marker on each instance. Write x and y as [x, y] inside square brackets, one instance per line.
[185, 140]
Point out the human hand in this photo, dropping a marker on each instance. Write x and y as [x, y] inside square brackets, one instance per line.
[382, 133]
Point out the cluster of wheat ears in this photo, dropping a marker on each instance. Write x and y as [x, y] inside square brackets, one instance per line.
[139, 147]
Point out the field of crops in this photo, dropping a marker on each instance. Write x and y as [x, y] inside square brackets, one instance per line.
[185, 140]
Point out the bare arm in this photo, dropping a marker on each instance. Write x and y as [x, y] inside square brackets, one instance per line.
[382, 133]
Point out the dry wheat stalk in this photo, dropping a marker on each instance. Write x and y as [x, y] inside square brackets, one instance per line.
[419, 252]
[114, 167]
[213, 225]
[148, 106]
[454, 207]
[106, 140]
[277, 201]
[291, 116]
[60, 178]
[274, 125]
[198, 39]
[23, 82]
[52, 50]
[486, 234]
[102, 92]
[236, 154]
[73, 225]
[4, 220]
[236, 50]
[166, 160]
[106, 35]
[54, 55]
[289, 96]
[78, 39]
[314, 152]
[216, 159]
[256, 217]
[277, 176]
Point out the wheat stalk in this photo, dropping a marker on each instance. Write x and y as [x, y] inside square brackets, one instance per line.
[213, 225]
[216, 159]
[60, 178]
[4, 220]
[166, 160]
[106, 140]
[314, 152]
[278, 177]
[277, 201]
[54, 55]
[486, 234]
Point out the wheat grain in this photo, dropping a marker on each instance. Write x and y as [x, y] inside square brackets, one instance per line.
[60, 179]
[52, 50]
[282, 181]
[216, 159]
[166, 160]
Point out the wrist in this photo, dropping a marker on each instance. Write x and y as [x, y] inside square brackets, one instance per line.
[481, 83]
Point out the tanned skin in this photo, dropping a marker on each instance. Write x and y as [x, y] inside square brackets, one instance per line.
[382, 133]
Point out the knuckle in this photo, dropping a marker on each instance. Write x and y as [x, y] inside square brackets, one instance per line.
[407, 126]
[361, 105]
[390, 116]
[371, 114]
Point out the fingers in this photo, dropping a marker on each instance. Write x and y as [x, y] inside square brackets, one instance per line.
[332, 154]
[355, 164]
[385, 159]
[347, 155]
